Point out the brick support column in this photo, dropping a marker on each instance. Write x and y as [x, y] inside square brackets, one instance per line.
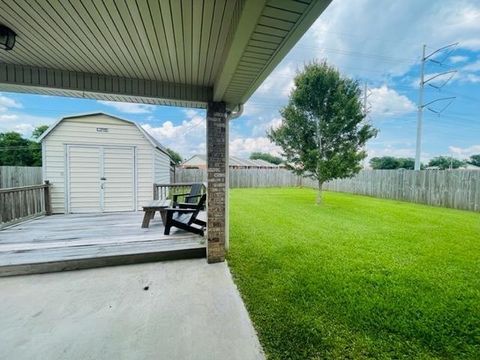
[217, 176]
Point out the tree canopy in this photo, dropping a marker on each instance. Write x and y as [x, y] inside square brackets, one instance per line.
[391, 163]
[474, 160]
[15, 150]
[446, 162]
[267, 157]
[176, 158]
[323, 134]
[38, 131]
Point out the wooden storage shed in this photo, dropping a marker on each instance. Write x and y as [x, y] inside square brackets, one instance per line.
[101, 163]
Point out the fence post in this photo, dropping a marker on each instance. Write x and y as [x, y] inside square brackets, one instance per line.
[47, 197]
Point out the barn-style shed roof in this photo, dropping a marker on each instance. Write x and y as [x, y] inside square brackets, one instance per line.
[155, 143]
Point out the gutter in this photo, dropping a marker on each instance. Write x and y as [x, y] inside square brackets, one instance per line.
[235, 114]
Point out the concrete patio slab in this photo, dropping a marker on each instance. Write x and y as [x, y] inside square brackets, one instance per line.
[184, 309]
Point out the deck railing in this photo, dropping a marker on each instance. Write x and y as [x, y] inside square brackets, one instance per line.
[166, 191]
[24, 202]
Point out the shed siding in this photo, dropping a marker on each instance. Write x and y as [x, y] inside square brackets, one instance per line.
[84, 131]
[162, 167]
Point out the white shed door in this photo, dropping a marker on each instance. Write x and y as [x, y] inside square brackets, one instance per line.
[84, 179]
[101, 178]
[119, 175]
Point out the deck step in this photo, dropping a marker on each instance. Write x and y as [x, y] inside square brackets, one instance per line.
[27, 262]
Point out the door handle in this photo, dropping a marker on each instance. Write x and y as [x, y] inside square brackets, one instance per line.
[102, 178]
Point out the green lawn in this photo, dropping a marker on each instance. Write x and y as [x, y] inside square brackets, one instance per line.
[357, 277]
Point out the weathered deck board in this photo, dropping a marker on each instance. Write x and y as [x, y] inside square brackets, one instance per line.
[65, 242]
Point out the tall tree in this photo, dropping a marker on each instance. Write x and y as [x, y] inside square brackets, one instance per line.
[384, 163]
[390, 162]
[38, 131]
[446, 162]
[323, 134]
[267, 157]
[176, 158]
[474, 160]
[15, 150]
[35, 147]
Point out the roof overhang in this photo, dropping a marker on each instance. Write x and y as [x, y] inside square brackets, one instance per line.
[181, 53]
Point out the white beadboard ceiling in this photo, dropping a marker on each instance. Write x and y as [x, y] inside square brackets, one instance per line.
[173, 52]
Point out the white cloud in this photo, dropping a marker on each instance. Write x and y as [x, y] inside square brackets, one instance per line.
[7, 117]
[8, 103]
[129, 108]
[243, 147]
[455, 59]
[395, 150]
[374, 46]
[24, 129]
[280, 82]
[464, 152]
[387, 102]
[24, 123]
[472, 78]
[392, 151]
[473, 67]
[187, 138]
[260, 126]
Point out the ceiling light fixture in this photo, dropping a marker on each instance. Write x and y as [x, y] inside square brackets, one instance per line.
[7, 38]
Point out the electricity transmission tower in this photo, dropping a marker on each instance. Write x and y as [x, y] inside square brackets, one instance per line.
[366, 111]
[449, 74]
[366, 104]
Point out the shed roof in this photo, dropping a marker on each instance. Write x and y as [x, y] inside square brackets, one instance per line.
[155, 143]
[182, 53]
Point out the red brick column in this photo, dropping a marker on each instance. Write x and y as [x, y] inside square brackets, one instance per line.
[217, 176]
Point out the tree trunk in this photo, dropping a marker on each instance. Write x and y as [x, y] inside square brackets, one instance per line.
[319, 193]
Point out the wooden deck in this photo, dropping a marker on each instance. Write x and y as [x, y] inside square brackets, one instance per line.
[68, 242]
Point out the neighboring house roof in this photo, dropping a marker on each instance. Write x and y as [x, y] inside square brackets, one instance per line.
[234, 161]
[262, 162]
[149, 137]
[472, 167]
[201, 158]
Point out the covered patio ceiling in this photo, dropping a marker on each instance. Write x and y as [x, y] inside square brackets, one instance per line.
[177, 52]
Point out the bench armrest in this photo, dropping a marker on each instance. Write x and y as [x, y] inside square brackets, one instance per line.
[185, 211]
[193, 196]
[183, 194]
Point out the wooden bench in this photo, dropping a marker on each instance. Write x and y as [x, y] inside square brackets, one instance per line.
[155, 205]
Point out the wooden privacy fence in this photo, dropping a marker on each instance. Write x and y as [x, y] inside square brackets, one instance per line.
[165, 191]
[24, 202]
[15, 176]
[459, 189]
[244, 178]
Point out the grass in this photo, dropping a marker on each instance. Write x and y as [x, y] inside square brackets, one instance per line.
[357, 277]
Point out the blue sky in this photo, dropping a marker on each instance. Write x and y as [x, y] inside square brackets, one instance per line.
[378, 42]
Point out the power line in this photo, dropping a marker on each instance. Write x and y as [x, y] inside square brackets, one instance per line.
[4, 148]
